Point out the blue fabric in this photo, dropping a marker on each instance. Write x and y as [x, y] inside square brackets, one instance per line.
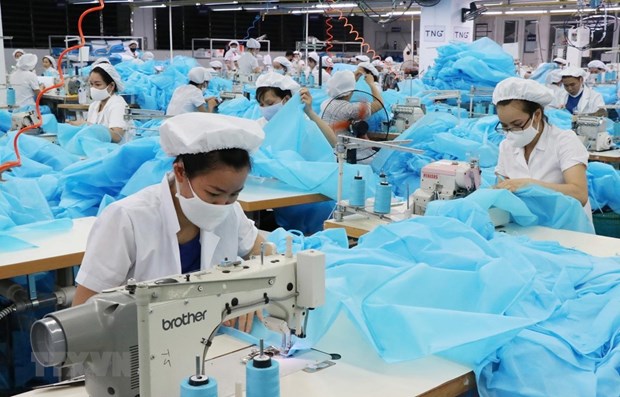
[190, 255]
[608, 92]
[572, 102]
[603, 186]
[542, 71]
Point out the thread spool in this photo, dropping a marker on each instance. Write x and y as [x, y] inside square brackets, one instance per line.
[198, 386]
[491, 109]
[262, 376]
[358, 191]
[383, 196]
[10, 96]
[479, 108]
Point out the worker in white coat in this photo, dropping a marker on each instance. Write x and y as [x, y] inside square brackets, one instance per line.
[190, 221]
[190, 97]
[577, 96]
[553, 82]
[281, 65]
[233, 50]
[534, 151]
[248, 63]
[132, 51]
[24, 81]
[364, 68]
[49, 66]
[313, 69]
[107, 108]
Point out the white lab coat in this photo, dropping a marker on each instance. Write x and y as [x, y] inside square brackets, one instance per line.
[185, 99]
[247, 63]
[590, 100]
[557, 91]
[25, 83]
[137, 238]
[556, 151]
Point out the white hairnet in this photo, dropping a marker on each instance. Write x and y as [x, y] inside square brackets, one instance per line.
[314, 56]
[340, 83]
[597, 64]
[133, 42]
[284, 62]
[252, 43]
[148, 56]
[199, 132]
[109, 69]
[18, 50]
[362, 58]
[369, 67]
[276, 80]
[216, 64]
[523, 89]
[235, 42]
[378, 64]
[389, 60]
[573, 71]
[100, 60]
[27, 62]
[555, 76]
[559, 60]
[327, 61]
[198, 75]
[296, 52]
[51, 59]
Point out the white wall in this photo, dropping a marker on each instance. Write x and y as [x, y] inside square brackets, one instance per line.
[378, 35]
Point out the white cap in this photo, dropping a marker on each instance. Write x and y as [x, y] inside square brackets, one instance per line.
[362, 58]
[573, 71]
[284, 62]
[597, 64]
[555, 76]
[327, 61]
[389, 60]
[216, 64]
[296, 52]
[561, 61]
[109, 69]
[18, 50]
[133, 42]
[523, 89]
[198, 75]
[235, 42]
[148, 56]
[51, 59]
[100, 60]
[198, 132]
[378, 64]
[276, 80]
[314, 56]
[368, 66]
[27, 62]
[252, 43]
[340, 83]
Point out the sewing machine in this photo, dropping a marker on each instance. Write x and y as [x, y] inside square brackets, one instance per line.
[25, 119]
[445, 180]
[228, 95]
[142, 339]
[405, 115]
[592, 133]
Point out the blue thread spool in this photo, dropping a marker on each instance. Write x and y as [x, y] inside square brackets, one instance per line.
[599, 78]
[617, 129]
[491, 109]
[383, 196]
[199, 386]
[311, 80]
[302, 79]
[10, 96]
[358, 191]
[479, 108]
[262, 376]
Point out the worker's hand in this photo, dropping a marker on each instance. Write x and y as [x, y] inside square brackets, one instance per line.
[244, 323]
[306, 98]
[513, 184]
[212, 103]
[369, 78]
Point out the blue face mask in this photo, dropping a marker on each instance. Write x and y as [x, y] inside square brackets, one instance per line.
[270, 111]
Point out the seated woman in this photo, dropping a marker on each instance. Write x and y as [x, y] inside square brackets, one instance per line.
[188, 222]
[281, 65]
[108, 108]
[274, 90]
[534, 151]
[24, 81]
[190, 98]
[49, 66]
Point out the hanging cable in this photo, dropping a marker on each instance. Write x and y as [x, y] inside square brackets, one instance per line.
[329, 36]
[252, 27]
[18, 162]
[352, 30]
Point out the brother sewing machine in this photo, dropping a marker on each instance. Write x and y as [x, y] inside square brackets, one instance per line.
[24, 119]
[405, 115]
[142, 339]
[592, 132]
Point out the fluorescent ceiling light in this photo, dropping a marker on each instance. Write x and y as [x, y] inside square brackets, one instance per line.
[307, 12]
[227, 9]
[493, 13]
[259, 8]
[396, 13]
[336, 5]
[526, 12]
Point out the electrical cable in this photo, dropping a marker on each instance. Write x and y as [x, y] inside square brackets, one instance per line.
[18, 162]
[352, 30]
[7, 310]
[253, 26]
[329, 36]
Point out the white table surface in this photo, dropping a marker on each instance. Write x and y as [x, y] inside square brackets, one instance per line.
[607, 153]
[54, 250]
[266, 193]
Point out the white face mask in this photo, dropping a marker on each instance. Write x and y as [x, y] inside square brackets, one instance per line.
[521, 139]
[270, 111]
[99, 95]
[279, 71]
[202, 214]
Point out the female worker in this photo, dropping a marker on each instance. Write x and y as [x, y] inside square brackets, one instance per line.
[190, 97]
[188, 222]
[281, 65]
[534, 151]
[24, 81]
[274, 90]
[49, 66]
[107, 108]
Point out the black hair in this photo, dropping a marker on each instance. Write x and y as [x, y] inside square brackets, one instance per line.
[195, 84]
[528, 107]
[107, 79]
[289, 54]
[261, 91]
[202, 163]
